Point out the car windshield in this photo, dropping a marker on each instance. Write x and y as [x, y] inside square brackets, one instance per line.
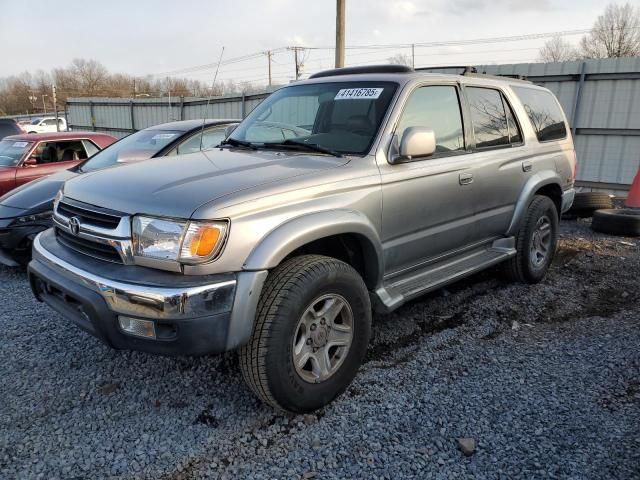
[36, 121]
[11, 151]
[342, 117]
[137, 146]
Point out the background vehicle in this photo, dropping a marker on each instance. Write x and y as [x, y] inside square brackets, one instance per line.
[25, 157]
[26, 211]
[359, 186]
[8, 126]
[46, 124]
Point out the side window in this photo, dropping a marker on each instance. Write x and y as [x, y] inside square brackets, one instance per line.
[488, 117]
[544, 112]
[210, 139]
[49, 122]
[70, 151]
[438, 108]
[90, 148]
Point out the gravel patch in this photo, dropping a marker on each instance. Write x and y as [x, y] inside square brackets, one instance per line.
[482, 379]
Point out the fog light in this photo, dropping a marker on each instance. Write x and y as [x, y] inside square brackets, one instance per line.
[138, 327]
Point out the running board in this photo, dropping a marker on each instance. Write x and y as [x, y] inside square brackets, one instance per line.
[399, 290]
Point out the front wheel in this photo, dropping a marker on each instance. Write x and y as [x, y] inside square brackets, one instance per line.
[535, 242]
[311, 334]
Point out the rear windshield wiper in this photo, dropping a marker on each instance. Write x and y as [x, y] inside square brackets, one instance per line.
[237, 143]
[306, 146]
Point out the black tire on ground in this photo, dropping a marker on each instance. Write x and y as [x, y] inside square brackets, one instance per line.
[267, 361]
[625, 222]
[586, 203]
[526, 266]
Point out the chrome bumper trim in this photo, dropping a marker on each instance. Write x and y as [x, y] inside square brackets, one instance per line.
[567, 199]
[146, 301]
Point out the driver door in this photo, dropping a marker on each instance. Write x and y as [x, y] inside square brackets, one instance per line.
[428, 205]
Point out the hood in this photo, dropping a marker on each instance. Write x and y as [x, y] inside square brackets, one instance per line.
[37, 195]
[176, 186]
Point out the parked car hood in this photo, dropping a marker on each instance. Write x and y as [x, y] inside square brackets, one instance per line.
[176, 186]
[36, 196]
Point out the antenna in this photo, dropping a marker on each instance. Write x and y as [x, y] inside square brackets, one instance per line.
[213, 84]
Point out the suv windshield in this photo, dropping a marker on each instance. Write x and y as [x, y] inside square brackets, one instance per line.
[137, 146]
[36, 121]
[341, 117]
[11, 151]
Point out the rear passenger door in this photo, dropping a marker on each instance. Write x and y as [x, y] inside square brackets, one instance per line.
[500, 164]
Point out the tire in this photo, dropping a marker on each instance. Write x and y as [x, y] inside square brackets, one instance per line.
[625, 222]
[280, 331]
[527, 266]
[586, 203]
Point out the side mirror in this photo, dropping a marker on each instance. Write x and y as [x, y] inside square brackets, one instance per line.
[229, 130]
[31, 162]
[416, 142]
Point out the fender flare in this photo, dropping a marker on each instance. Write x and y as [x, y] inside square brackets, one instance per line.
[535, 183]
[299, 231]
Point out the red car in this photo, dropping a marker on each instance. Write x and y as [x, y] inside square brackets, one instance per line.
[26, 157]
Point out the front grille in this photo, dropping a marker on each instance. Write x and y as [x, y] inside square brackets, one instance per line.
[87, 216]
[88, 247]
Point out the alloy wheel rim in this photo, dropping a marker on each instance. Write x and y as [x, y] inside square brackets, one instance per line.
[322, 338]
[541, 241]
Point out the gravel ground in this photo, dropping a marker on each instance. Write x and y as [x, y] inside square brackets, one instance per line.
[544, 380]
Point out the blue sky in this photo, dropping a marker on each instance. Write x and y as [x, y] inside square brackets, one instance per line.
[146, 37]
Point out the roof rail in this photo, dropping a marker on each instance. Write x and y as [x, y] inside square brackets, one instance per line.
[364, 69]
[465, 68]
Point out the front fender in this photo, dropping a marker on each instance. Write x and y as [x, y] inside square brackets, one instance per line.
[299, 231]
[535, 183]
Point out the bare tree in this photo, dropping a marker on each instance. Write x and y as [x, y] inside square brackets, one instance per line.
[615, 34]
[92, 75]
[558, 50]
[400, 59]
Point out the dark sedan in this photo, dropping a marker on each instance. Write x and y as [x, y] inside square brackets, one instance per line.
[26, 211]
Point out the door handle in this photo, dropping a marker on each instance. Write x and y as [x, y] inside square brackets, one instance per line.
[465, 178]
[527, 166]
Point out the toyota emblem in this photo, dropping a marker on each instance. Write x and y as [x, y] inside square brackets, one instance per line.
[74, 225]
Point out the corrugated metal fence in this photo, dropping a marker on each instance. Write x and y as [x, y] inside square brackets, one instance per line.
[600, 97]
[120, 117]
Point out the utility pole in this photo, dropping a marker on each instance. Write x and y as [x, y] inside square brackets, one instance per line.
[44, 106]
[340, 32]
[269, 54]
[296, 59]
[413, 55]
[55, 106]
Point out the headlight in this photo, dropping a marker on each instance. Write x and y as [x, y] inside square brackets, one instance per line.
[174, 240]
[38, 217]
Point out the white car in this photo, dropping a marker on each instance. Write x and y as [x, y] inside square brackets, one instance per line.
[45, 125]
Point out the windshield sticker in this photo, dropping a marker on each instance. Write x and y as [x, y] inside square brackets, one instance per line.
[20, 144]
[163, 136]
[358, 93]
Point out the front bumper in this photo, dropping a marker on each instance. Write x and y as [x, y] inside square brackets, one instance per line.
[192, 315]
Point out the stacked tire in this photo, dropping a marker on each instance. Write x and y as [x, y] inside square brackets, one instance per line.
[623, 221]
[585, 204]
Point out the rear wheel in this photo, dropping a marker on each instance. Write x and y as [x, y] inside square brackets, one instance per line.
[535, 242]
[311, 334]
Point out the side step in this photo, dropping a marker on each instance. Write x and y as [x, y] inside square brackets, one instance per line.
[399, 290]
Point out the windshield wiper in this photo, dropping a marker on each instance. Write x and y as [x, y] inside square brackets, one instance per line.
[307, 146]
[237, 143]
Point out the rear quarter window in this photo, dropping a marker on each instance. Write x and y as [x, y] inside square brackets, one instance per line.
[544, 112]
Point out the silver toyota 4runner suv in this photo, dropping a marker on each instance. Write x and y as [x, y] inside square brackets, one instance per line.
[358, 189]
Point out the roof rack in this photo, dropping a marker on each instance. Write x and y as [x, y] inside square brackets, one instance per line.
[364, 69]
[466, 69]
